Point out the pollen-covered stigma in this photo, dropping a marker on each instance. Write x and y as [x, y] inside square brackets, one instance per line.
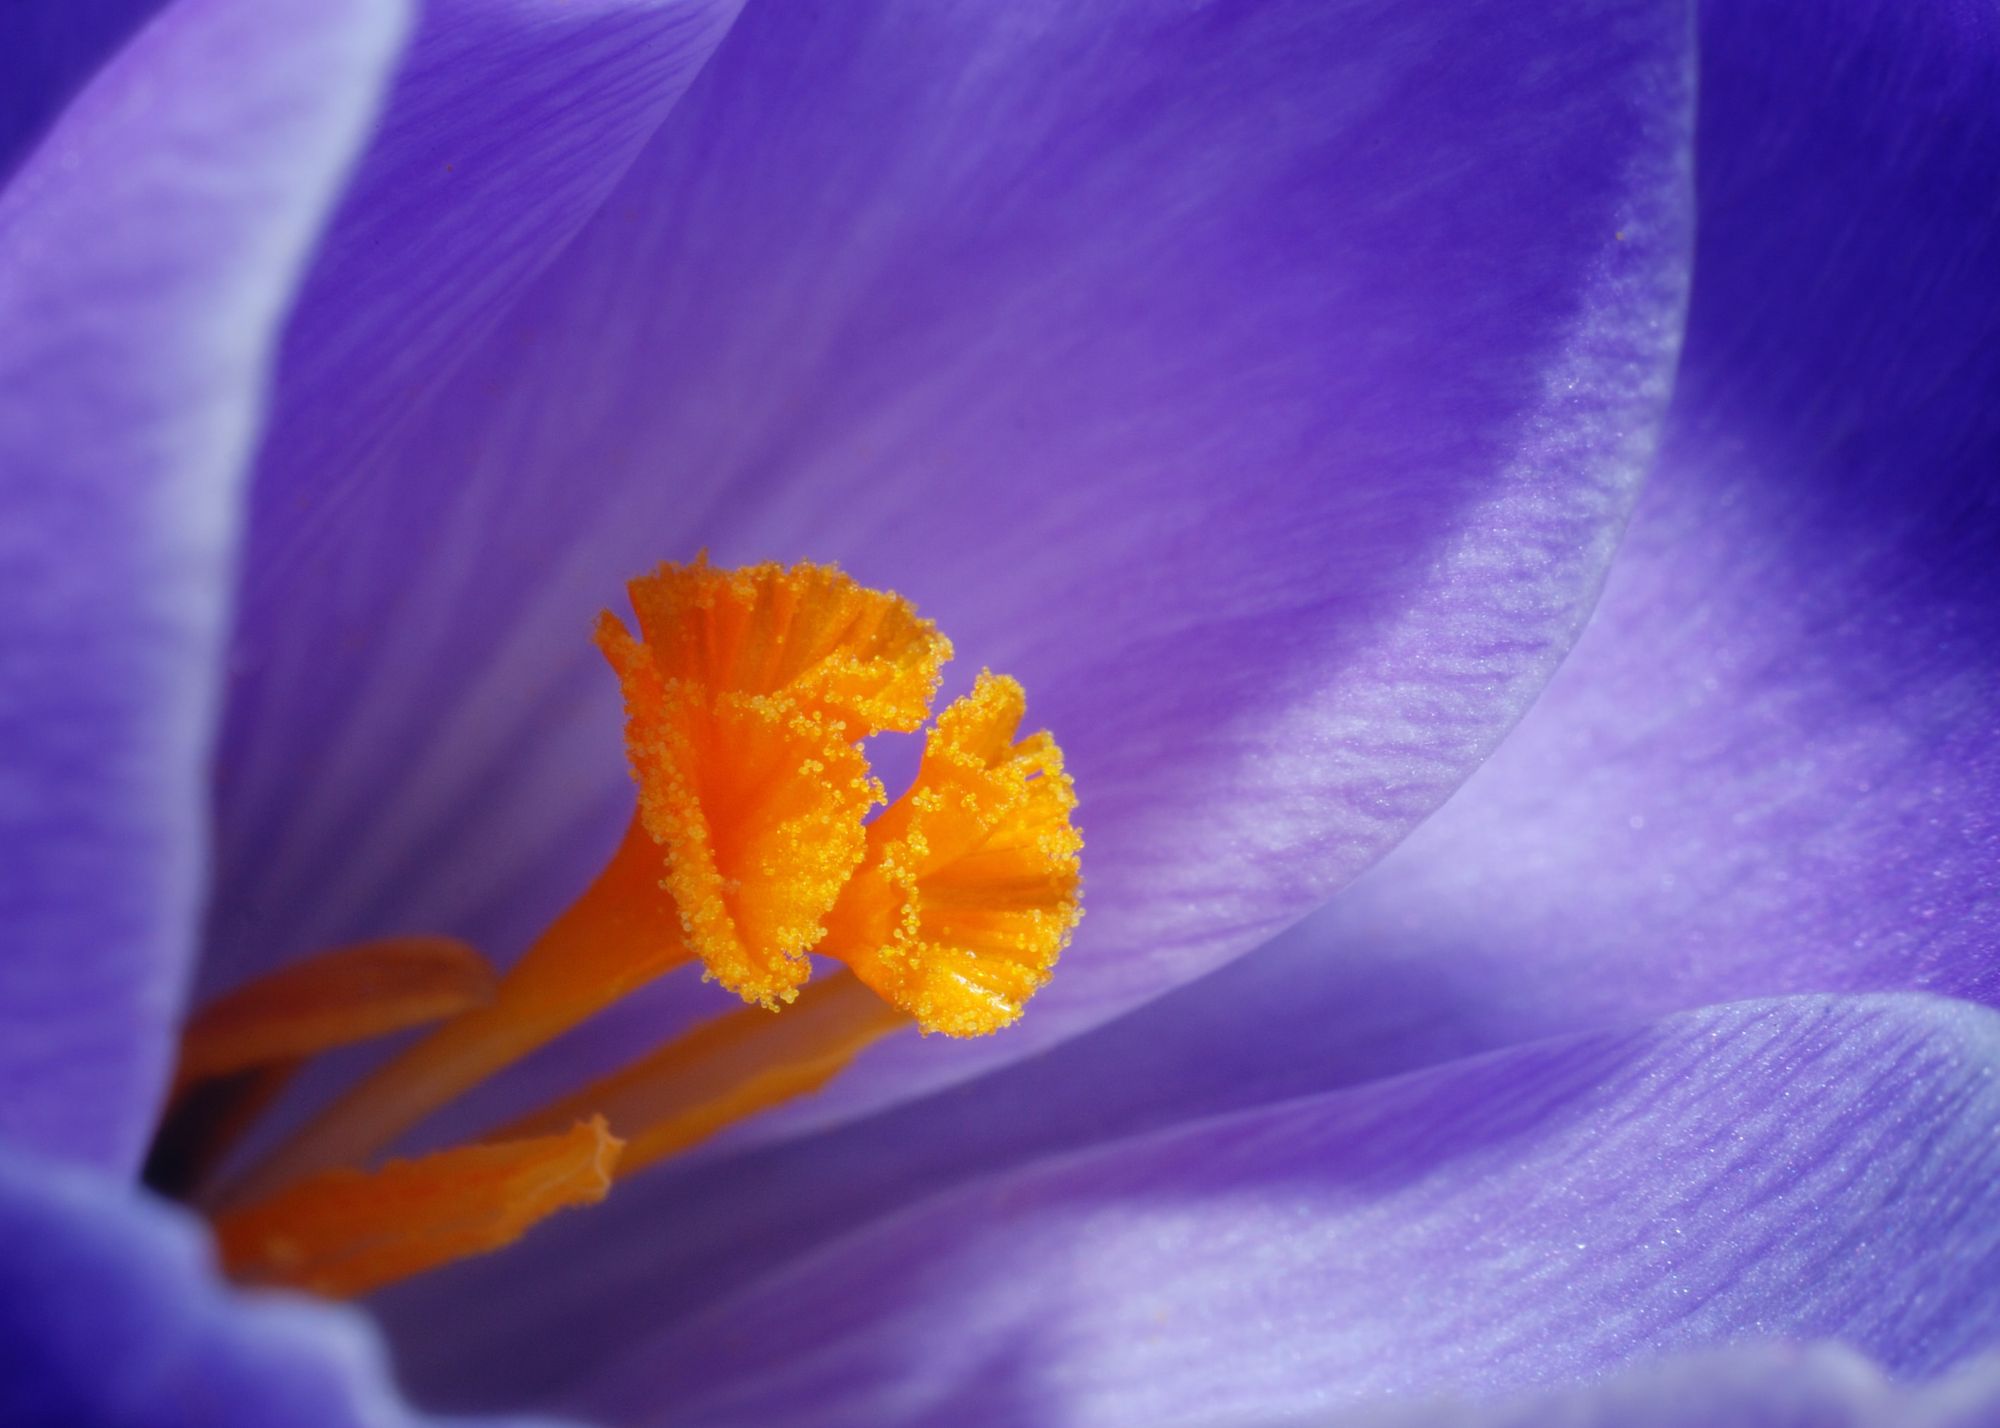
[748, 695]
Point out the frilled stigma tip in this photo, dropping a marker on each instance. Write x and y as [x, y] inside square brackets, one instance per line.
[972, 882]
[747, 695]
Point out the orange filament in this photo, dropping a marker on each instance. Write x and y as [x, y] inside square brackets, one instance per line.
[747, 694]
[745, 706]
[970, 889]
[726, 1071]
[746, 701]
[333, 999]
[241, 1051]
[619, 935]
[345, 1232]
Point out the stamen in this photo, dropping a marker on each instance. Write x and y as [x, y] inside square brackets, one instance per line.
[970, 889]
[809, 632]
[746, 703]
[726, 1071]
[241, 1050]
[748, 696]
[347, 1232]
[336, 998]
[623, 932]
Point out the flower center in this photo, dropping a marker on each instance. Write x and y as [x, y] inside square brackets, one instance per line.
[748, 694]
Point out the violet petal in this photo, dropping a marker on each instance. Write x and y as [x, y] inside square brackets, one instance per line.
[46, 54]
[1820, 1168]
[146, 253]
[1757, 1386]
[510, 122]
[1264, 386]
[111, 1316]
[1770, 764]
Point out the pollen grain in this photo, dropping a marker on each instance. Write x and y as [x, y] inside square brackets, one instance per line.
[970, 888]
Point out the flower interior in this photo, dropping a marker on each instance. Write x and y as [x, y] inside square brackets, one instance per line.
[755, 847]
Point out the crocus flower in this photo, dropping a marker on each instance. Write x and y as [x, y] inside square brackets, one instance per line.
[1269, 388]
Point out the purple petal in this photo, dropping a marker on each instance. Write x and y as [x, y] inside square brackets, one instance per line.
[1764, 1386]
[46, 54]
[1770, 764]
[111, 1317]
[146, 252]
[1820, 1168]
[510, 122]
[1264, 385]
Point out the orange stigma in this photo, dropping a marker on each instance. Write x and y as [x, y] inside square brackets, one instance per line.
[748, 695]
[971, 885]
[746, 702]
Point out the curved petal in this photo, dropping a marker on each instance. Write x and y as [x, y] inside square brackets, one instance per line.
[146, 253]
[1812, 1167]
[46, 54]
[510, 122]
[508, 126]
[1264, 385]
[1764, 1386]
[111, 1316]
[1770, 763]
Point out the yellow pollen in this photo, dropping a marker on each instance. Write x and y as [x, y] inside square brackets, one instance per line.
[807, 632]
[746, 701]
[971, 885]
[748, 695]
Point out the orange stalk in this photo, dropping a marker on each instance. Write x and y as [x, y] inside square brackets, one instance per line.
[332, 999]
[727, 1071]
[619, 935]
[347, 1232]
